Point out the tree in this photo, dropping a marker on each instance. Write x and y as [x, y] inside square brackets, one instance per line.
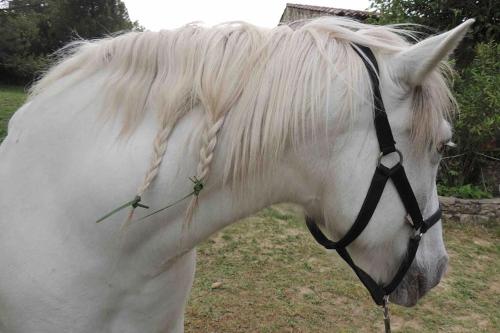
[445, 15]
[88, 19]
[477, 126]
[19, 33]
[34, 29]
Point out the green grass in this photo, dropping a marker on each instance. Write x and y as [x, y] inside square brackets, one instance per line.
[11, 98]
[275, 278]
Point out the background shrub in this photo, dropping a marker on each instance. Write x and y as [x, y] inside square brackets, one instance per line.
[477, 125]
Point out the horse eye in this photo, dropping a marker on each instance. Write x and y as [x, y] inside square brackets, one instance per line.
[442, 147]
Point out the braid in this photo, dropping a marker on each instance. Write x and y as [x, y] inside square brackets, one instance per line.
[159, 148]
[208, 146]
[209, 141]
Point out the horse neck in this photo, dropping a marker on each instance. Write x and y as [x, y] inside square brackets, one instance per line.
[220, 204]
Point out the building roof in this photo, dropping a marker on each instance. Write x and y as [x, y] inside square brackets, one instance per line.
[308, 10]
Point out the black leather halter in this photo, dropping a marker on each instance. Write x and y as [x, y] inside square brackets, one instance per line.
[382, 174]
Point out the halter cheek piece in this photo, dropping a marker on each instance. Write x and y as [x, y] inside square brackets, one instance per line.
[382, 174]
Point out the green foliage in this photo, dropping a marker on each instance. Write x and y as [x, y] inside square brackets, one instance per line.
[477, 125]
[88, 19]
[16, 41]
[34, 29]
[478, 95]
[468, 191]
[444, 15]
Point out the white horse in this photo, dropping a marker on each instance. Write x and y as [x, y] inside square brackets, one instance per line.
[258, 116]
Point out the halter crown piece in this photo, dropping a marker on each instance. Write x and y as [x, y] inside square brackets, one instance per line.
[380, 293]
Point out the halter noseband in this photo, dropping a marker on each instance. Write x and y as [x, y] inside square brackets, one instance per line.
[382, 174]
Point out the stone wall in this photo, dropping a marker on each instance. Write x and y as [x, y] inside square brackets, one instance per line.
[470, 210]
[491, 175]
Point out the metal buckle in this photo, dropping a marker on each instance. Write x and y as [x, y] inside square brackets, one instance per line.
[417, 235]
[418, 232]
[379, 159]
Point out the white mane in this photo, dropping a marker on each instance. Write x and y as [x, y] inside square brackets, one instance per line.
[279, 76]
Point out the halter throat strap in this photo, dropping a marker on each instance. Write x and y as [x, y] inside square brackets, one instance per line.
[381, 175]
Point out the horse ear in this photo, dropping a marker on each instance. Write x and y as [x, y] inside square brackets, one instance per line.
[414, 64]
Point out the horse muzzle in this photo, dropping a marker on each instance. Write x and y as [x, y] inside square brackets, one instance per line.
[417, 282]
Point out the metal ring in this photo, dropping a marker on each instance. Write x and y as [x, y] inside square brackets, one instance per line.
[379, 160]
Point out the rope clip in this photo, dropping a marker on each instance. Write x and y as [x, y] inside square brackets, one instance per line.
[136, 203]
[198, 185]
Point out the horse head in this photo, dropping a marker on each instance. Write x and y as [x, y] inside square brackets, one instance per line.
[418, 102]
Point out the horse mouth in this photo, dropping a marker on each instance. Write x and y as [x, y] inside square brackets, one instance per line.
[409, 291]
[417, 283]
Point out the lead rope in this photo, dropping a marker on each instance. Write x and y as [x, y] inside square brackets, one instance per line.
[387, 317]
[198, 186]
[134, 203]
